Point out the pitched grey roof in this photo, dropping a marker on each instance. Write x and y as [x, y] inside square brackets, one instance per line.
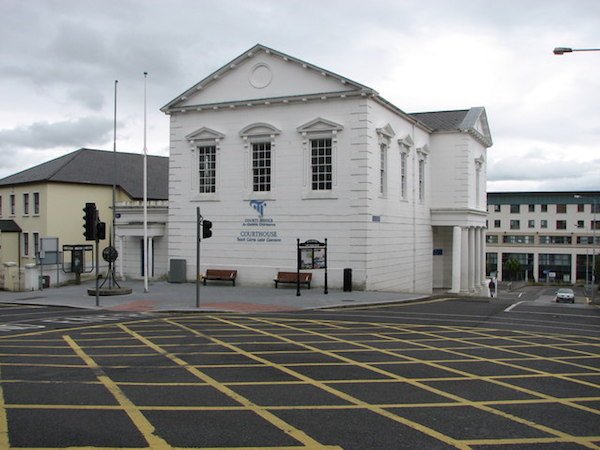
[442, 120]
[87, 166]
[9, 226]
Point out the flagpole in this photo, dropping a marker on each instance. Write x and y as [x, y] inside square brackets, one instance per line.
[145, 195]
[114, 186]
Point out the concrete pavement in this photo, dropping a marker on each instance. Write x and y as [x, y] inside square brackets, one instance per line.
[164, 296]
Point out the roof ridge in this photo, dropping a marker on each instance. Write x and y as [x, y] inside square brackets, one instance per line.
[69, 159]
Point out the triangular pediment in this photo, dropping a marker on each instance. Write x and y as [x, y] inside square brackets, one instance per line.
[263, 74]
[204, 134]
[476, 123]
[406, 141]
[387, 131]
[319, 125]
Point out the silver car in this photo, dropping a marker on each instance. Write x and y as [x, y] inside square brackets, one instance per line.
[565, 295]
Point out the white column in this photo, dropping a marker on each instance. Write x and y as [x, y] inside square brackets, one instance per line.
[477, 280]
[456, 259]
[574, 266]
[120, 260]
[464, 261]
[536, 266]
[482, 280]
[471, 268]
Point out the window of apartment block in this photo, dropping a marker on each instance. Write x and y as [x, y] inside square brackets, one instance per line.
[261, 166]
[0, 206]
[551, 240]
[561, 208]
[531, 223]
[531, 208]
[580, 207]
[207, 169]
[497, 223]
[595, 225]
[497, 208]
[515, 209]
[36, 243]
[12, 205]
[26, 204]
[36, 203]
[544, 208]
[595, 207]
[515, 225]
[25, 244]
[518, 239]
[561, 224]
[491, 239]
[543, 223]
[580, 224]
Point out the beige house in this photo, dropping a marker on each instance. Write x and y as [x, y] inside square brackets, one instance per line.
[47, 201]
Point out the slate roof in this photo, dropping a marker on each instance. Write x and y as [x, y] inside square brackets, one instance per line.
[96, 167]
[442, 120]
[9, 226]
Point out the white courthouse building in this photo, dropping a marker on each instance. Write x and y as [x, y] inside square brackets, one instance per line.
[273, 149]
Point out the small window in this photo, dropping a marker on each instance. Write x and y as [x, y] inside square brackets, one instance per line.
[561, 209]
[531, 208]
[36, 203]
[383, 169]
[403, 175]
[515, 225]
[421, 180]
[531, 223]
[561, 224]
[36, 243]
[580, 224]
[497, 208]
[543, 223]
[25, 244]
[544, 208]
[26, 204]
[580, 207]
[12, 205]
[0, 206]
[497, 223]
[515, 209]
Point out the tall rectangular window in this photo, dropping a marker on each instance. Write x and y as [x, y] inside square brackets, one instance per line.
[382, 169]
[12, 204]
[0, 206]
[36, 243]
[26, 204]
[403, 175]
[36, 202]
[207, 169]
[321, 164]
[25, 244]
[261, 167]
[421, 180]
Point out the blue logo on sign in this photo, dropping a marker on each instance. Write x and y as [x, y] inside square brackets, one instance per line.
[259, 206]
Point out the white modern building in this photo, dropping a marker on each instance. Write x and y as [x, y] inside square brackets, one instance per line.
[273, 149]
[550, 234]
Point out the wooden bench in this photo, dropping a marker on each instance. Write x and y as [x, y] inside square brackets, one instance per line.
[292, 277]
[219, 275]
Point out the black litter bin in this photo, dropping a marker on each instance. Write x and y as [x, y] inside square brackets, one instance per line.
[347, 280]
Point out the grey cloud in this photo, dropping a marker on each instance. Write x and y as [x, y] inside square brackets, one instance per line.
[90, 131]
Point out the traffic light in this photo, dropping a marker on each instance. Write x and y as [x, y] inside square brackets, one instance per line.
[206, 229]
[89, 221]
[101, 231]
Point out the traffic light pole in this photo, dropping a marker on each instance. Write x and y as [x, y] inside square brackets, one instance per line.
[198, 240]
[97, 272]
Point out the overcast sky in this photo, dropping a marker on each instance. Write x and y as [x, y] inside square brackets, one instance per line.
[59, 61]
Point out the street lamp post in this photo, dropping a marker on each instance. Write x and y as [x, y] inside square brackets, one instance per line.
[563, 50]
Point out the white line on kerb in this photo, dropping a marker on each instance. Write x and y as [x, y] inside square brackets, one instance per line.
[513, 305]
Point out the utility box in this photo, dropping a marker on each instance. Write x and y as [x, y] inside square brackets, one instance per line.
[347, 280]
[177, 271]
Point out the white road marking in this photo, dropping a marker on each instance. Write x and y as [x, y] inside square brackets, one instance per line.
[514, 305]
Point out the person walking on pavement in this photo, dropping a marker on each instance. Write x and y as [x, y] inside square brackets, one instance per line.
[492, 286]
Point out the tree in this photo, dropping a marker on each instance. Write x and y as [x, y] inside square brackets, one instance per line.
[512, 267]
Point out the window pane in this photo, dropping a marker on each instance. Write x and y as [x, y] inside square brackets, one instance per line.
[321, 164]
[207, 160]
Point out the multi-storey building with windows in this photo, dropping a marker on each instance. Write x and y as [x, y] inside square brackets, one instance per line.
[273, 149]
[550, 234]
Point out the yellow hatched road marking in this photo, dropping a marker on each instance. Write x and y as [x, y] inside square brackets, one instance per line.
[4, 441]
[136, 416]
[438, 391]
[297, 434]
[398, 303]
[320, 385]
